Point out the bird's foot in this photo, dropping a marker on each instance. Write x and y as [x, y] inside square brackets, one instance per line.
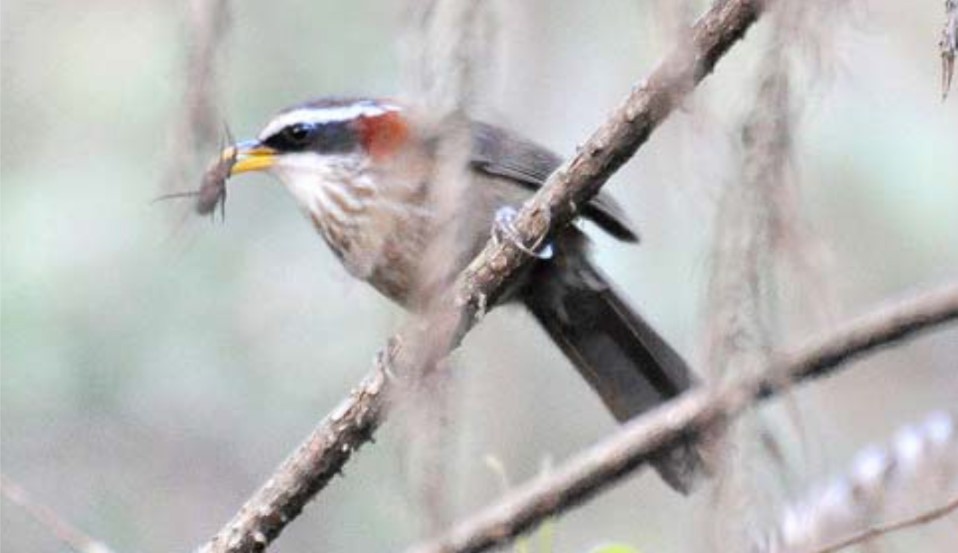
[386, 357]
[504, 228]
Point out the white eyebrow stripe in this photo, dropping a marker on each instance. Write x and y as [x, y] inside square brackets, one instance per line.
[324, 115]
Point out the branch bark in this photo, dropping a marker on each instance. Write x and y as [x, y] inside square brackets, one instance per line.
[324, 452]
[697, 411]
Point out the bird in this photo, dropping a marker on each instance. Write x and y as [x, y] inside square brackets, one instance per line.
[362, 170]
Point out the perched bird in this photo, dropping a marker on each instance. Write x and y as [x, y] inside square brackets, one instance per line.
[361, 170]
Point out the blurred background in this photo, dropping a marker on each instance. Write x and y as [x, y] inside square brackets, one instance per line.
[156, 368]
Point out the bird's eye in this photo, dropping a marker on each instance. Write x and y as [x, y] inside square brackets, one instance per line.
[297, 134]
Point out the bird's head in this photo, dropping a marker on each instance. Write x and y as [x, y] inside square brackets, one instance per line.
[322, 143]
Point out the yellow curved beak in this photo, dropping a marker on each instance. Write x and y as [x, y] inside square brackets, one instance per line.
[249, 155]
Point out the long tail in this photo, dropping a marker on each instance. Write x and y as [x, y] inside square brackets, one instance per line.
[624, 360]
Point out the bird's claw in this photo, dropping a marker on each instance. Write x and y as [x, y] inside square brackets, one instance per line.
[385, 358]
[504, 228]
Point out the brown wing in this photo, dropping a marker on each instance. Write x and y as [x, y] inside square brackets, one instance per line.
[498, 152]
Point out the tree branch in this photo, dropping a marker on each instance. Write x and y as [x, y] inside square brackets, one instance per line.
[329, 446]
[697, 411]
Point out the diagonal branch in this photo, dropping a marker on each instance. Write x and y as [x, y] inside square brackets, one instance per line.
[323, 454]
[697, 411]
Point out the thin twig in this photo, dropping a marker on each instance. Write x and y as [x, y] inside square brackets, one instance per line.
[697, 411]
[68, 534]
[876, 531]
[329, 447]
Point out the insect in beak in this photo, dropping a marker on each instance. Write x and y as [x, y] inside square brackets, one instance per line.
[212, 190]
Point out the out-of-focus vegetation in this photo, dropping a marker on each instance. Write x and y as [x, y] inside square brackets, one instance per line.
[155, 370]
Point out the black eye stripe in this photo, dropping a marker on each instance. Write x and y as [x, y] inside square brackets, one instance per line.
[329, 137]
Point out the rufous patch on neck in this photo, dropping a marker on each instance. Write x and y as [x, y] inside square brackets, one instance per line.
[384, 134]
